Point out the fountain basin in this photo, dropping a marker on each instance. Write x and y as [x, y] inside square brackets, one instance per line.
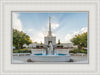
[50, 58]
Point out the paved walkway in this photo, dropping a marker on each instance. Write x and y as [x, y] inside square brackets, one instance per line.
[23, 60]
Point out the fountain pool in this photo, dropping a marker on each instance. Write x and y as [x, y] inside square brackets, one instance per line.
[51, 56]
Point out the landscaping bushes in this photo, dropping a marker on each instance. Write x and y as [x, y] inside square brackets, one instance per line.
[29, 60]
[21, 51]
[78, 51]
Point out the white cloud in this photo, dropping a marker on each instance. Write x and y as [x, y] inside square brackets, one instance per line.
[83, 30]
[54, 26]
[68, 37]
[16, 23]
[37, 37]
[29, 30]
[45, 31]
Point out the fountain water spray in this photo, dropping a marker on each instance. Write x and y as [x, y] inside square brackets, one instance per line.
[50, 49]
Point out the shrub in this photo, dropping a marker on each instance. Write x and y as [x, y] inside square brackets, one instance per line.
[71, 51]
[85, 51]
[21, 51]
[71, 60]
[61, 46]
[82, 51]
[29, 60]
[37, 46]
[78, 51]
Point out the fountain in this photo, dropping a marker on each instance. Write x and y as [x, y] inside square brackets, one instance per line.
[51, 56]
[49, 53]
[50, 49]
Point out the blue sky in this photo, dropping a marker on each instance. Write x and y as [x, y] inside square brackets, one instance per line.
[64, 24]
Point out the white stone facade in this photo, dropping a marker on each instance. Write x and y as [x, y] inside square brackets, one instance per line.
[62, 51]
[36, 51]
[58, 51]
[65, 44]
[50, 39]
[32, 45]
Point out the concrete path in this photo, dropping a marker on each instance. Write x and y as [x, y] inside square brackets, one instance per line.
[23, 60]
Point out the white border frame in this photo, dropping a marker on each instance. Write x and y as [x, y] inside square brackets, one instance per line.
[7, 68]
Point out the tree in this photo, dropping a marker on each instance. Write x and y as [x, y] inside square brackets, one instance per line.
[41, 43]
[80, 40]
[20, 38]
[59, 41]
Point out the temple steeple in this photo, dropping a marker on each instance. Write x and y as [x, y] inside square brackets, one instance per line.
[49, 32]
[50, 38]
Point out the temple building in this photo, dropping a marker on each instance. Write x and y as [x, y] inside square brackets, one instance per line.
[50, 39]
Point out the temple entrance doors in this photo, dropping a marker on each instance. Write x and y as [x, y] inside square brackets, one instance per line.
[49, 42]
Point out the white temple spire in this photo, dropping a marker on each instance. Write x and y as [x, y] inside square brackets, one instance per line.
[49, 33]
